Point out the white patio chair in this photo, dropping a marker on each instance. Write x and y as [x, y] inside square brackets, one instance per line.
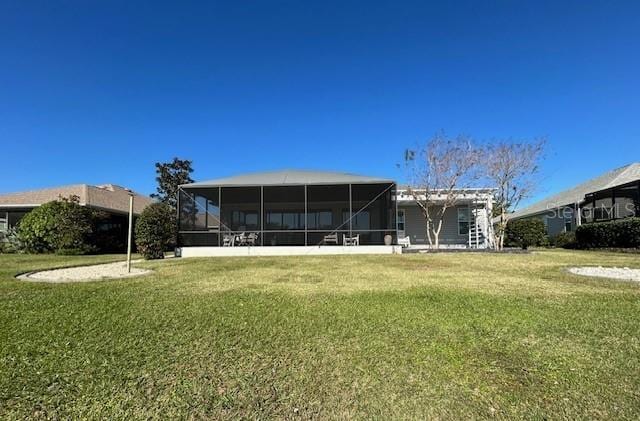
[351, 241]
[405, 242]
[331, 239]
[228, 240]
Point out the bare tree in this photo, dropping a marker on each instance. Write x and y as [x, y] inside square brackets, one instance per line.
[437, 173]
[512, 168]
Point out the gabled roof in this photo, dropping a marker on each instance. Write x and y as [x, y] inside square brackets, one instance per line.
[613, 178]
[289, 178]
[107, 196]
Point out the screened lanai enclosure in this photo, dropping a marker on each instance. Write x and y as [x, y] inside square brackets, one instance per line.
[288, 208]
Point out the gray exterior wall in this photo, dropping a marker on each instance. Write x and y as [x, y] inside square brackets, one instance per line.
[415, 226]
[554, 221]
[554, 224]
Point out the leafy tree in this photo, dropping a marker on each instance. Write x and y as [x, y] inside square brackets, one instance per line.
[62, 226]
[170, 176]
[155, 230]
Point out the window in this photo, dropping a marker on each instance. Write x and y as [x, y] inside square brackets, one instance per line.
[400, 219]
[463, 221]
[4, 225]
[243, 221]
[320, 220]
[568, 223]
[628, 201]
[240, 208]
[587, 212]
[284, 220]
[108, 226]
[283, 209]
[325, 205]
[361, 221]
[603, 207]
[372, 206]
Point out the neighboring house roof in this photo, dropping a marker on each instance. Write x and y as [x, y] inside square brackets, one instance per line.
[619, 176]
[288, 178]
[107, 196]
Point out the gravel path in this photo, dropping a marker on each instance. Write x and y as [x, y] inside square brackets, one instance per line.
[84, 273]
[611, 273]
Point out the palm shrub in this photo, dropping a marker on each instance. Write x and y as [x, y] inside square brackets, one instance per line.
[62, 226]
[155, 230]
[525, 233]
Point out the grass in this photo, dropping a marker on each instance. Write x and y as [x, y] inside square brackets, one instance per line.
[412, 336]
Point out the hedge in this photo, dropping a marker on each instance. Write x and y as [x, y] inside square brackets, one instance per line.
[525, 233]
[565, 240]
[623, 233]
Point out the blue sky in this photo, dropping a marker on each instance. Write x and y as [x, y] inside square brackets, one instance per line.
[98, 91]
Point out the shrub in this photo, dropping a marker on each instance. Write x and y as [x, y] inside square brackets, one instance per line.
[566, 240]
[155, 230]
[10, 242]
[61, 226]
[623, 233]
[525, 233]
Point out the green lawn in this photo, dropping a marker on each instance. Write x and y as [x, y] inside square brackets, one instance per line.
[412, 336]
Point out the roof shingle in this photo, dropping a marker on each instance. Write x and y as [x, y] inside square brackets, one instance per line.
[108, 196]
[289, 177]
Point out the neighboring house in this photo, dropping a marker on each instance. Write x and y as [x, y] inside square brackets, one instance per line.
[307, 208]
[112, 199]
[613, 195]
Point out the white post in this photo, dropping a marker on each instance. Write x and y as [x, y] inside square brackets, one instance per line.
[475, 223]
[130, 232]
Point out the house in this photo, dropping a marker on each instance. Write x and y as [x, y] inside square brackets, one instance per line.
[466, 224]
[613, 195]
[314, 209]
[113, 200]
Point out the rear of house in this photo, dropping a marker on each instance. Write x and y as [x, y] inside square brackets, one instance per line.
[299, 208]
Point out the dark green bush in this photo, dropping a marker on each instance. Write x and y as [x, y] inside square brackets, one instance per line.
[61, 226]
[9, 241]
[525, 233]
[566, 240]
[623, 233]
[155, 231]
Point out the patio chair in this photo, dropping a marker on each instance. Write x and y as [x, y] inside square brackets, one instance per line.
[351, 241]
[251, 239]
[405, 242]
[228, 240]
[331, 239]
